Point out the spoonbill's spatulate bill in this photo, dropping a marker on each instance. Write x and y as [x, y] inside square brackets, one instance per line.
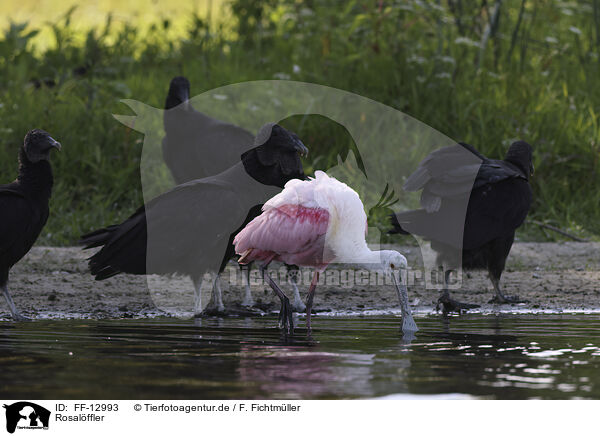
[314, 223]
[499, 200]
[24, 205]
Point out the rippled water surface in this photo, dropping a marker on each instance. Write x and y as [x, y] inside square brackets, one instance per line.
[485, 356]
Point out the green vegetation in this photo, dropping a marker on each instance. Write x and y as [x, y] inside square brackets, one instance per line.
[483, 72]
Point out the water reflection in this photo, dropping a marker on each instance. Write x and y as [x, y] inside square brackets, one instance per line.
[490, 356]
[293, 373]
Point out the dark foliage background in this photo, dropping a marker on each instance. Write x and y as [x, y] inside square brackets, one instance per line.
[484, 71]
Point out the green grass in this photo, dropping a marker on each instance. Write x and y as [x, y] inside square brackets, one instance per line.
[537, 78]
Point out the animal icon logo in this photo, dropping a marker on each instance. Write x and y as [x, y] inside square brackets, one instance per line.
[26, 415]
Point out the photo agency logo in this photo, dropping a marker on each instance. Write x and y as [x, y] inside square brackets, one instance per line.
[25, 415]
[216, 163]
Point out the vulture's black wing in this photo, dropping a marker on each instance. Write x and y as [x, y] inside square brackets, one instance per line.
[496, 210]
[449, 173]
[498, 197]
[444, 173]
[15, 233]
[494, 171]
[444, 165]
[196, 146]
[193, 222]
[184, 230]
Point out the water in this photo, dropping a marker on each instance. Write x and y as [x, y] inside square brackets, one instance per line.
[481, 356]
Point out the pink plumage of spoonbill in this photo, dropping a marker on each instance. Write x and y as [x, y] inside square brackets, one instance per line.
[313, 223]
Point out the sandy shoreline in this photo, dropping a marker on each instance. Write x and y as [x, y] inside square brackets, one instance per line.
[54, 283]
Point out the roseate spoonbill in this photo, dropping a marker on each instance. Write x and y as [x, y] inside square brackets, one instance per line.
[499, 201]
[314, 223]
[181, 230]
[24, 206]
[196, 146]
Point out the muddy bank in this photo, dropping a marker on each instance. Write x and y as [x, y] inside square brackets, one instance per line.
[54, 283]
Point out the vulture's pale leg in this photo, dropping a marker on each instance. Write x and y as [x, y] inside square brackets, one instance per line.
[248, 301]
[197, 297]
[217, 294]
[500, 297]
[286, 320]
[11, 305]
[298, 304]
[309, 300]
[449, 304]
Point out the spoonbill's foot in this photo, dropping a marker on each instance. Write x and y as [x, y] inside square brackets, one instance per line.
[290, 329]
[450, 305]
[506, 299]
[286, 317]
[309, 323]
[286, 320]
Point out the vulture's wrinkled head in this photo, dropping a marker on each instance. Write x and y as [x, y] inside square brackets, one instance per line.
[38, 144]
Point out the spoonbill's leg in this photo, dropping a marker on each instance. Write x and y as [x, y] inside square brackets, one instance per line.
[248, 301]
[500, 297]
[309, 300]
[11, 305]
[292, 273]
[448, 304]
[286, 320]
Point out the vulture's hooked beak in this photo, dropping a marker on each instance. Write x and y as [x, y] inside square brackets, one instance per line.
[185, 105]
[55, 144]
[300, 147]
[184, 97]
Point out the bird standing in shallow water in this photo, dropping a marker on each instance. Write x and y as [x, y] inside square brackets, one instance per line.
[314, 223]
[24, 206]
[499, 199]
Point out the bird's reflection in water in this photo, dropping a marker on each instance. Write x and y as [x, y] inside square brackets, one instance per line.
[292, 372]
[504, 357]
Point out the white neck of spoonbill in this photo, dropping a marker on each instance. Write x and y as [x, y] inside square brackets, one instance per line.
[366, 259]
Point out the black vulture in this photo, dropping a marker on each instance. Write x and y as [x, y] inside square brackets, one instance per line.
[24, 205]
[196, 146]
[499, 199]
[181, 230]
